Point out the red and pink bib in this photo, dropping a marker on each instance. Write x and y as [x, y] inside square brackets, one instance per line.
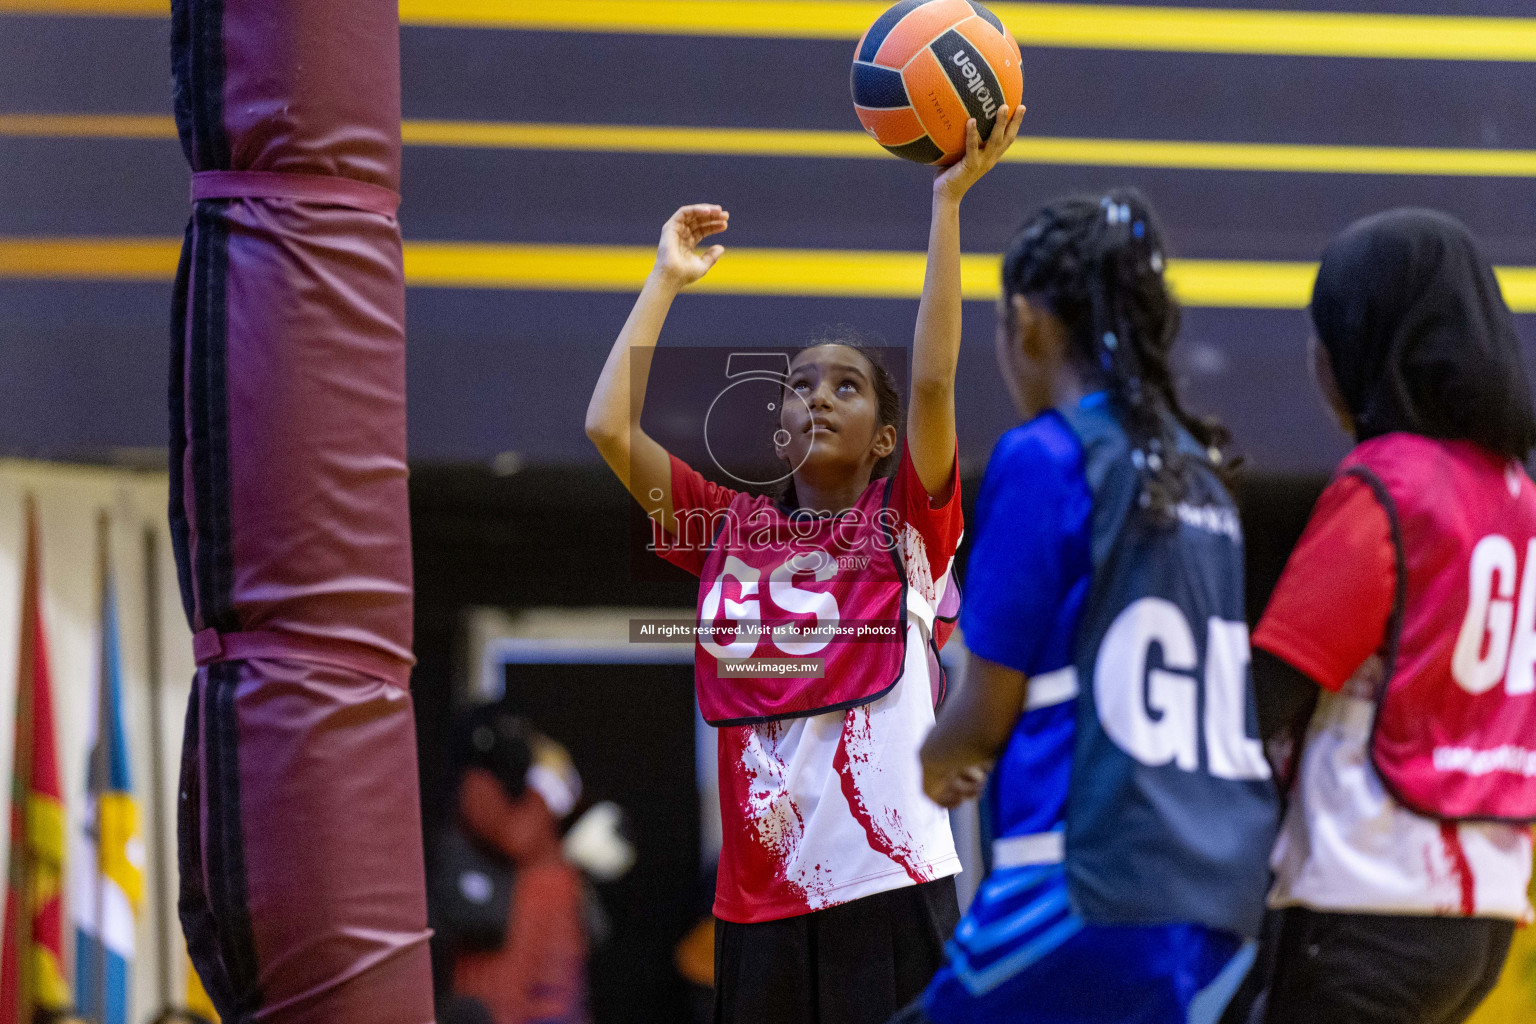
[800, 615]
[1455, 733]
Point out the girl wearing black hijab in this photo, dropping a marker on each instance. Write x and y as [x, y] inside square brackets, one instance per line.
[1407, 615]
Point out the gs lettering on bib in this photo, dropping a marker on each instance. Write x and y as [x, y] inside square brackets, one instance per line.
[1455, 732]
[800, 615]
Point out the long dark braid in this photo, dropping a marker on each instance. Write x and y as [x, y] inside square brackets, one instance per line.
[1098, 264]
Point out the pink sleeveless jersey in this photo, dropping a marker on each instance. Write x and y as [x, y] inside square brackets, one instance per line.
[1455, 735]
[801, 615]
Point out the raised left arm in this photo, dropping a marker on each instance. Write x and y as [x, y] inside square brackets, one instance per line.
[936, 345]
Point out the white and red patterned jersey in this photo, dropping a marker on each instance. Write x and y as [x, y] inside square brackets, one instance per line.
[821, 809]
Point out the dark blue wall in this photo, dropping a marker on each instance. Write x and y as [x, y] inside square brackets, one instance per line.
[495, 371]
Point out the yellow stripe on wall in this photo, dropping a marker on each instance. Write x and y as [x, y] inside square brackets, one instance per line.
[88, 126]
[1519, 287]
[855, 145]
[815, 272]
[1291, 33]
[1111, 27]
[89, 259]
[1242, 284]
[1220, 156]
[96, 8]
[1090, 26]
[1292, 157]
[790, 272]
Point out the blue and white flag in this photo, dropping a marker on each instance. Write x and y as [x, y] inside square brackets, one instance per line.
[108, 881]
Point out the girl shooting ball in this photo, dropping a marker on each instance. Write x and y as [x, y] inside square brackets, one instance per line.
[835, 890]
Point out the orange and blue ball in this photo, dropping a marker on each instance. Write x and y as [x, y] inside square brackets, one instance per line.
[925, 67]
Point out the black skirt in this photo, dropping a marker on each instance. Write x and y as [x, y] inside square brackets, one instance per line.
[1384, 969]
[856, 963]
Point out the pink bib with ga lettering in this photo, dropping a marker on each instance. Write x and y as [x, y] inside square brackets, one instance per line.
[1455, 733]
[799, 615]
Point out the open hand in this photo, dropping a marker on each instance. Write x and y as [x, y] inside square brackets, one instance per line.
[678, 258]
[980, 157]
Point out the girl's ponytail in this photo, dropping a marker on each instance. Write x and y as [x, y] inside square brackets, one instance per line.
[1099, 265]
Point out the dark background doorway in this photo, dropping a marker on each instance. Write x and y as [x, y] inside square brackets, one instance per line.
[630, 731]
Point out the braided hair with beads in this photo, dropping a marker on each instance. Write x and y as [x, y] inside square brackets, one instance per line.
[1098, 264]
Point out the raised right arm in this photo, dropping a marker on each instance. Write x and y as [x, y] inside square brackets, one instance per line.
[613, 416]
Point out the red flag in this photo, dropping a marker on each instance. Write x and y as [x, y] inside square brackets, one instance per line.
[32, 957]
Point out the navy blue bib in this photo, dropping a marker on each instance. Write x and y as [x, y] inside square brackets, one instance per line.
[1171, 813]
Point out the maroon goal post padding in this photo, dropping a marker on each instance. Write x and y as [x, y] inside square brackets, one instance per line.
[302, 889]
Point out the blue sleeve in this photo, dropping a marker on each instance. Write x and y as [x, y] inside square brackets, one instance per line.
[1032, 516]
